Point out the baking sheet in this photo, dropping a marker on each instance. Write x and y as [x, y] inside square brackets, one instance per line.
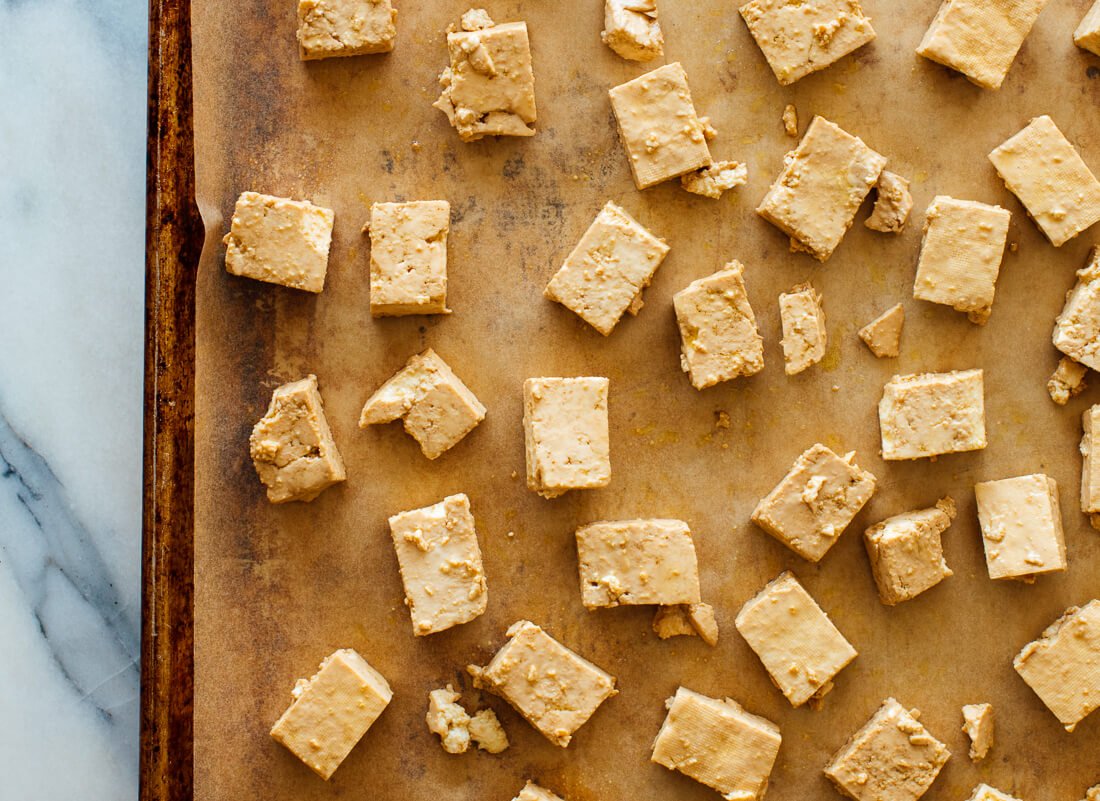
[279, 587]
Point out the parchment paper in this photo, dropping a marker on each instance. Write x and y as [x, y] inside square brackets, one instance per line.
[280, 587]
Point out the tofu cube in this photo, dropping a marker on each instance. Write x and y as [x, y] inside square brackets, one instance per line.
[489, 89]
[906, 552]
[1067, 381]
[1077, 329]
[332, 710]
[1063, 665]
[983, 792]
[603, 277]
[551, 686]
[960, 255]
[883, 334]
[929, 414]
[978, 726]
[804, 336]
[1021, 527]
[438, 410]
[892, 757]
[719, 340]
[279, 241]
[1041, 168]
[892, 205]
[978, 38]
[1087, 35]
[810, 508]
[292, 447]
[408, 258]
[566, 434]
[328, 28]
[532, 792]
[801, 38]
[823, 183]
[1090, 465]
[662, 135]
[717, 743]
[630, 28]
[800, 647]
[440, 561]
[637, 562]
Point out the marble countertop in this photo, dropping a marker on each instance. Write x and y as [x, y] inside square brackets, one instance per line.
[72, 194]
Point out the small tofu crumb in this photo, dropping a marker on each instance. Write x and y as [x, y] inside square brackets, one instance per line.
[1093, 793]
[790, 121]
[532, 792]
[978, 725]
[673, 621]
[712, 181]
[486, 731]
[983, 792]
[892, 205]
[1067, 381]
[883, 334]
[449, 720]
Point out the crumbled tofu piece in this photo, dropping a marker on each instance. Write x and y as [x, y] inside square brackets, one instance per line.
[328, 28]
[823, 183]
[687, 620]
[712, 181]
[632, 562]
[279, 241]
[1063, 665]
[960, 255]
[489, 89]
[1087, 36]
[1077, 329]
[813, 504]
[663, 136]
[978, 38]
[804, 336]
[801, 38]
[408, 258]
[983, 792]
[1090, 465]
[719, 340]
[892, 205]
[1021, 527]
[929, 414]
[551, 686]
[438, 410]
[790, 121]
[906, 552]
[1044, 170]
[717, 743]
[1067, 380]
[486, 731]
[892, 758]
[702, 619]
[292, 447]
[604, 275]
[447, 718]
[883, 334]
[1093, 793]
[800, 647]
[566, 434]
[978, 725]
[440, 560]
[532, 792]
[332, 710]
[631, 29]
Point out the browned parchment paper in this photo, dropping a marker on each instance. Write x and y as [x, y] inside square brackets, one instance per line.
[279, 587]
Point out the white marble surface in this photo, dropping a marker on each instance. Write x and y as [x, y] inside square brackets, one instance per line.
[72, 161]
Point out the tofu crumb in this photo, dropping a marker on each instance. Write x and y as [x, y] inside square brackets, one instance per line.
[712, 181]
[449, 720]
[790, 121]
[486, 731]
[1067, 381]
[978, 725]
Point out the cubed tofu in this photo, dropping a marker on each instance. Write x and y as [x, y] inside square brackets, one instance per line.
[603, 277]
[803, 321]
[813, 504]
[978, 726]
[687, 620]
[440, 561]
[1067, 381]
[883, 334]
[438, 410]
[292, 447]
[717, 743]
[823, 183]
[800, 647]
[719, 339]
[719, 177]
[892, 204]
[449, 719]
[637, 562]
[532, 792]
[1077, 329]
[978, 38]
[663, 136]
[279, 241]
[1090, 465]
[892, 758]
[554, 688]
[408, 258]
[906, 552]
[328, 28]
[960, 255]
[929, 414]
[332, 710]
[1087, 35]
[983, 792]
[566, 434]
[1021, 527]
[1041, 168]
[631, 29]
[801, 38]
[1063, 665]
[489, 89]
